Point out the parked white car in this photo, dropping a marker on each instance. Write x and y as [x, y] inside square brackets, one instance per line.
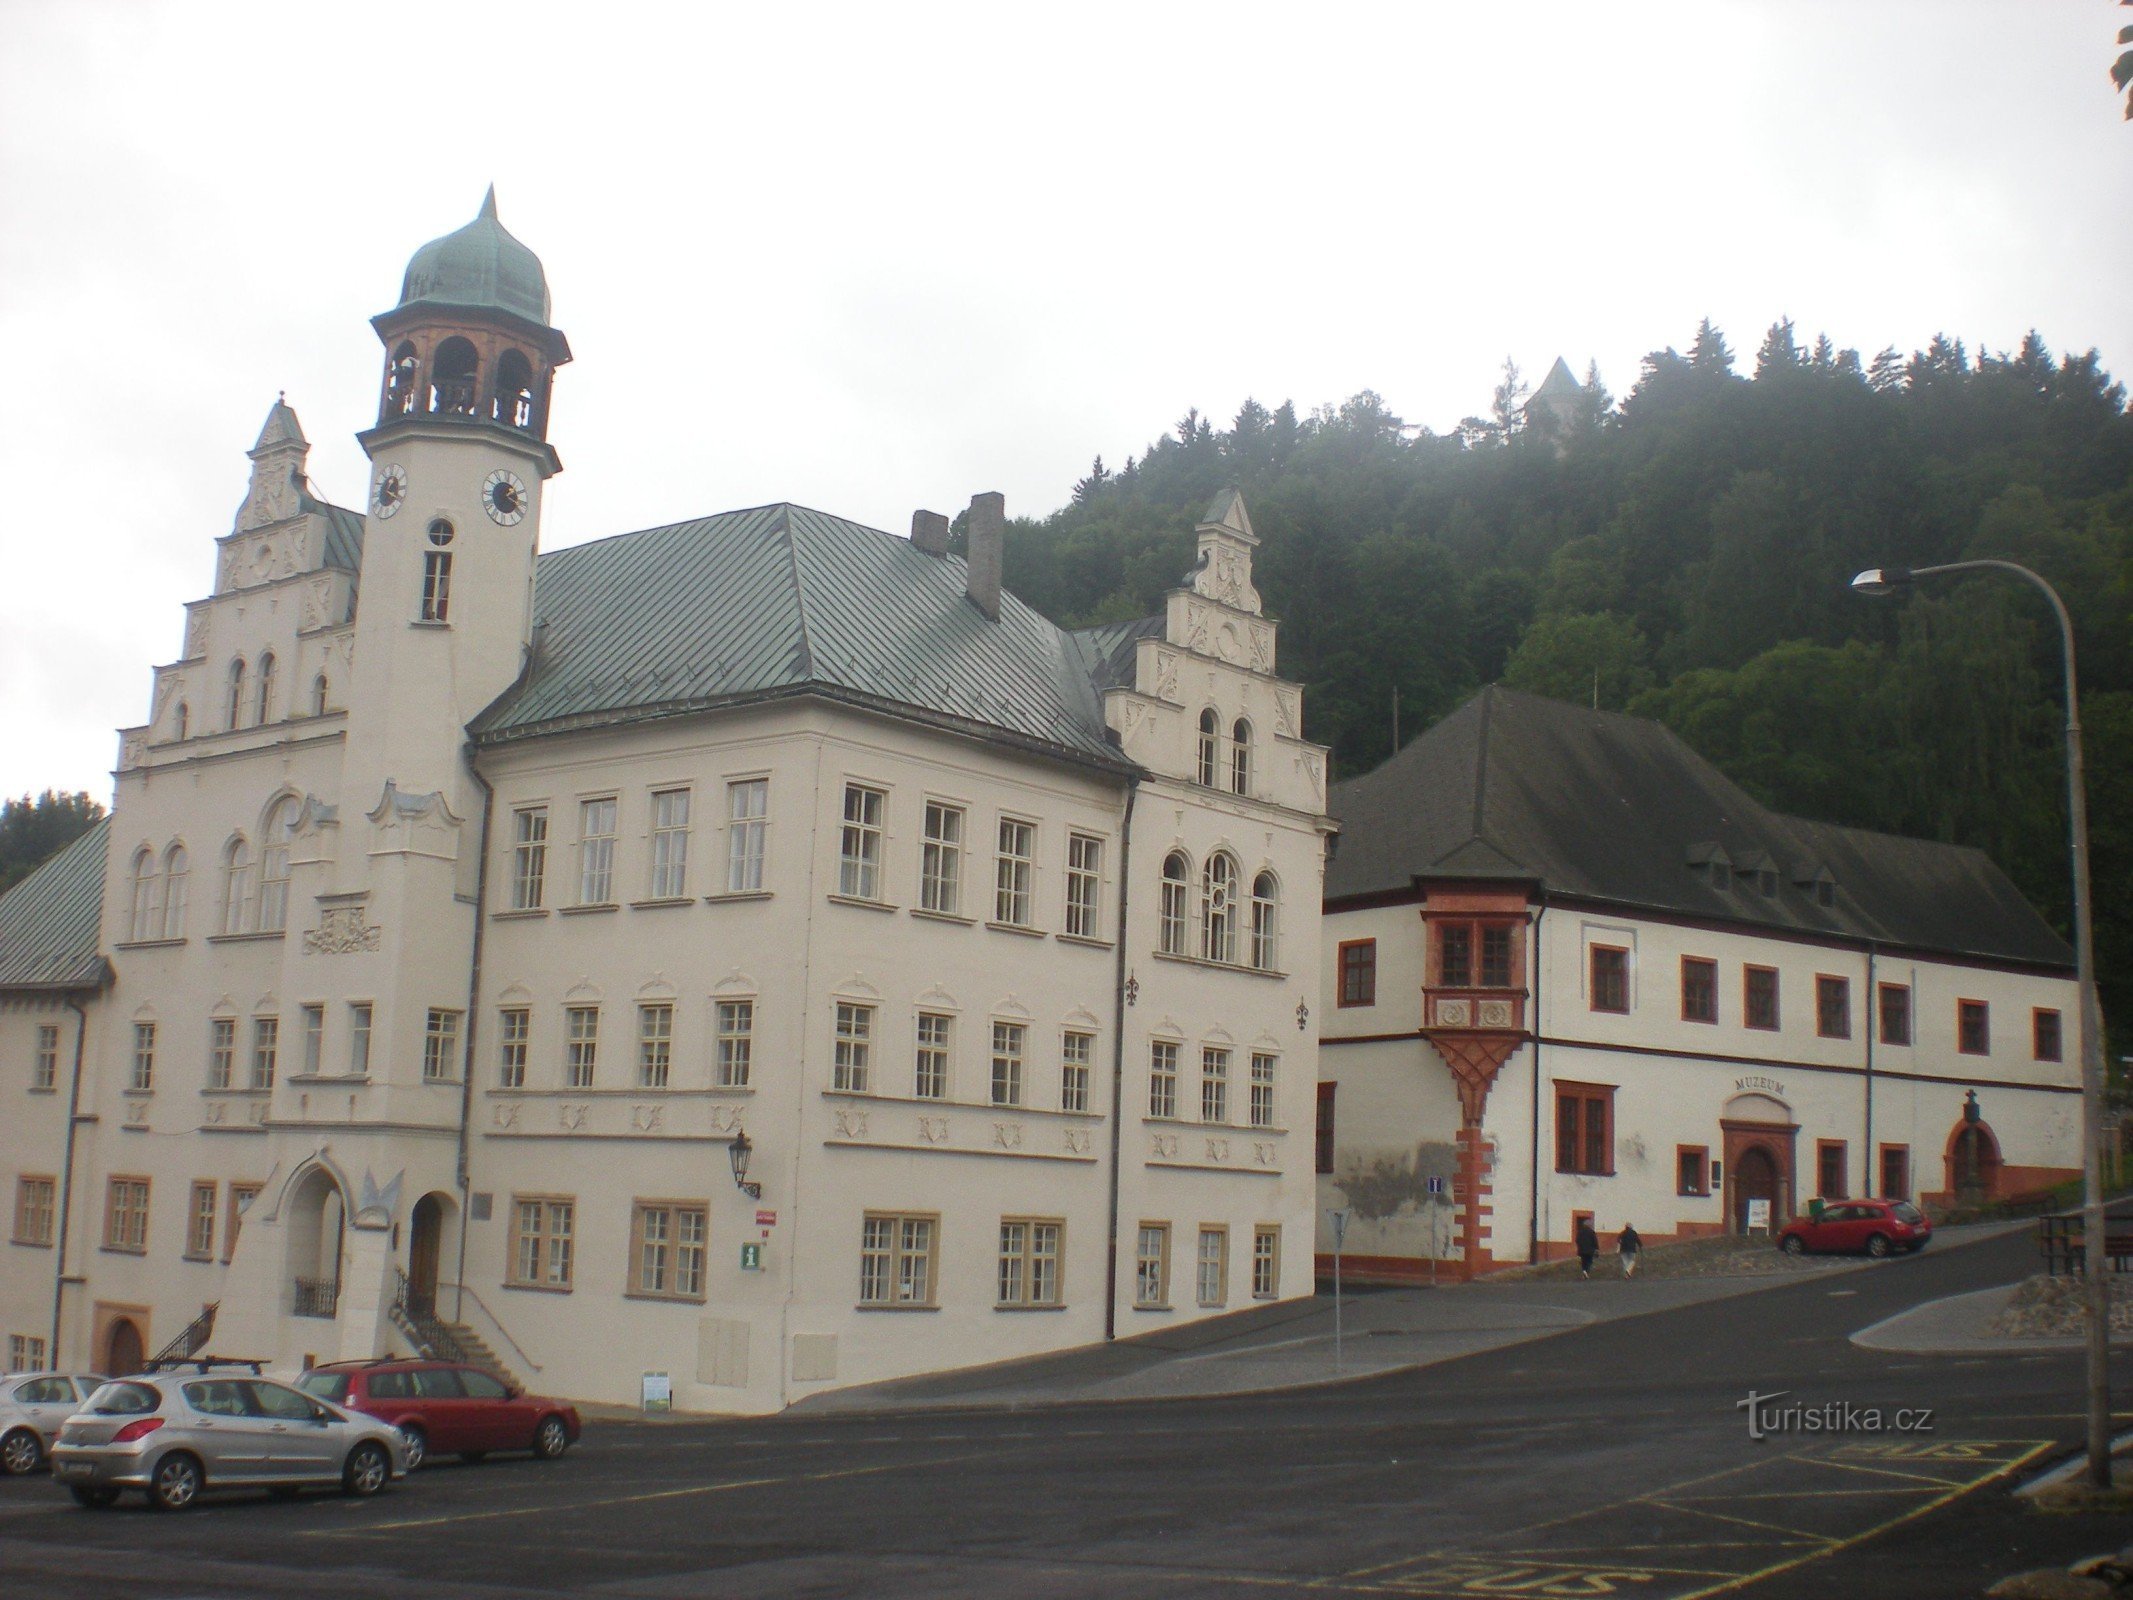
[32, 1406]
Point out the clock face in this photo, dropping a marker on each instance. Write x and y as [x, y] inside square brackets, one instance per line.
[387, 493]
[503, 496]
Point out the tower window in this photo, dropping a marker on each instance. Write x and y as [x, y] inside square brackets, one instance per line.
[400, 383]
[437, 574]
[454, 388]
[514, 390]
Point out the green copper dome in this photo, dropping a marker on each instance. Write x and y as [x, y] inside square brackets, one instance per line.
[480, 265]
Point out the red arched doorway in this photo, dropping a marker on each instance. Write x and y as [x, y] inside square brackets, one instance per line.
[123, 1352]
[1973, 1158]
[1755, 1190]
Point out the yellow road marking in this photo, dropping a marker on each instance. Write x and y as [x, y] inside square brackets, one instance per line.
[1745, 1522]
[1880, 1472]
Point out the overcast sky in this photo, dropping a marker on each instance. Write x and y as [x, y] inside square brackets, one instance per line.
[884, 257]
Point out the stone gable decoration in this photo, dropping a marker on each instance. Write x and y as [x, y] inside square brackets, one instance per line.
[341, 931]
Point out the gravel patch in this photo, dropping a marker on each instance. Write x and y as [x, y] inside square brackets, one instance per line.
[1724, 1257]
[2047, 1307]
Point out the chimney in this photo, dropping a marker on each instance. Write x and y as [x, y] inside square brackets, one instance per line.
[984, 533]
[929, 532]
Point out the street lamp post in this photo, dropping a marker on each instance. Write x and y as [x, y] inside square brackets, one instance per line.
[1888, 580]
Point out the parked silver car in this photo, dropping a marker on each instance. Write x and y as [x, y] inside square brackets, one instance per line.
[32, 1406]
[178, 1435]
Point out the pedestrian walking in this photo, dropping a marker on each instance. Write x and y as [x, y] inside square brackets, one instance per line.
[1629, 1244]
[1588, 1246]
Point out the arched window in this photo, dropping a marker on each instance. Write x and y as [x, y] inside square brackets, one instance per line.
[514, 390]
[318, 695]
[453, 387]
[1266, 897]
[182, 723]
[1218, 908]
[1210, 741]
[1177, 876]
[437, 574]
[236, 718]
[236, 883]
[266, 688]
[1240, 758]
[146, 920]
[399, 383]
[274, 866]
[176, 867]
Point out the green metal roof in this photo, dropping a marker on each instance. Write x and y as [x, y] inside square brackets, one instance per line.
[344, 533]
[480, 265]
[50, 920]
[782, 600]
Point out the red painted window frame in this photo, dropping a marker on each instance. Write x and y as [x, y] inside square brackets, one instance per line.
[1881, 1013]
[1586, 1096]
[1710, 966]
[1322, 1129]
[1593, 953]
[1364, 967]
[1843, 986]
[1747, 1000]
[1823, 1149]
[1964, 1010]
[1702, 1153]
[2037, 1014]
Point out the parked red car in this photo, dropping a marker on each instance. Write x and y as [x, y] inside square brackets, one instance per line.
[1876, 1226]
[446, 1407]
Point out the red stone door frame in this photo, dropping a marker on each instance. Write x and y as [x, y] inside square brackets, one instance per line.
[1778, 1139]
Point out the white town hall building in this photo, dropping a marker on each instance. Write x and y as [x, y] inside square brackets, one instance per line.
[467, 913]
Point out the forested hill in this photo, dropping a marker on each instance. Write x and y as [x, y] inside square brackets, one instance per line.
[1685, 554]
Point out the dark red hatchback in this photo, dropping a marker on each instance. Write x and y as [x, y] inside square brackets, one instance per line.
[1876, 1226]
[447, 1407]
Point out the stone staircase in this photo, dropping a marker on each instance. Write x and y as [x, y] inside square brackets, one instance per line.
[475, 1351]
[440, 1340]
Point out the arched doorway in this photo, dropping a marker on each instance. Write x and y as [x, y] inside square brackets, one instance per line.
[1973, 1163]
[315, 1216]
[425, 1247]
[123, 1351]
[1755, 1179]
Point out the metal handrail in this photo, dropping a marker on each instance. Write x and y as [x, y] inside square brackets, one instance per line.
[495, 1322]
[190, 1338]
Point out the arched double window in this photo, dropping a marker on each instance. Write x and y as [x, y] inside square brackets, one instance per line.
[236, 883]
[1177, 880]
[1266, 932]
[274, 866]
[266, 688]
[1240, 758]
[1210, 747]
[145, 920]
[176, 871]
[1218, 908]
[236, 702]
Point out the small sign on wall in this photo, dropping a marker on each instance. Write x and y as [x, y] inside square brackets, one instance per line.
[751, 1257]
[657, 1392]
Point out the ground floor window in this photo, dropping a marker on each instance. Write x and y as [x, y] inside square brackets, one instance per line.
[1895, 1172]
[25, 1353]
[200, 1222]
[1692, 1169]
[1585, 1128]
[1151, 1265]
[1266, 1261]
[896, 1259]
[33, 1209]
[667, 1246]
[126, 1215]
[1213, 1281]
[1830, 1170]
[542, 1231]
[1029, 1261]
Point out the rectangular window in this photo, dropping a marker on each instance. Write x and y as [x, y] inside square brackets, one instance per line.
[1895, 1013]
[1973, 1035]
[221, 1052]
[855, 1042]
[1584, 1128]
[1266, 1261]
[1151, 1265]
[542, 1232]
[1075, 1053]
[529, 858]
[314, 1023]
[44, 1067]
[859, 845]
[1760, 997]
[655, 1045]
[1085, 864]
[1692, 1163]
[2044, 1034]
[1610, 978]
[143, 1075]
[241, 1197]
[359, 1038]
[1496, 958]
[668, 1249]
[1170, 914]
[940, 871]
[596, 852]
[1833, 1007]
[436, 585]
[736, 1043]
[670, 843]
[440, 1046]
[1262, 1103]
[581, 1045]
[1324, 1130]
[34, 1199]
[1359, 972]
[1214, 1085]
[1029, 1261]
[25, 1353]
[126, 1215]
[1699, 989]
[1213, 1277]
[896, 1259]
[514, 1032]
[1162, 1079]
[200, 1222]
[1895, 1172]
[929, 1074]
[747, 821]
[1013, 872]
[266, 1047]
[1008, 1040]
[1455, 955]
[1831, 1169]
